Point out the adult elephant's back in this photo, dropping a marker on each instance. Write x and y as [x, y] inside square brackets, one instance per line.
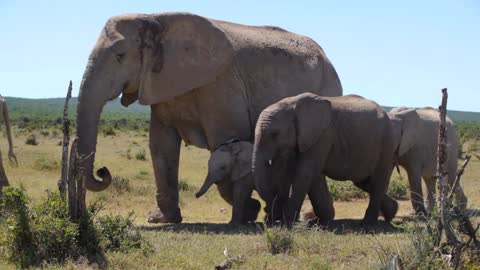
[274, 63]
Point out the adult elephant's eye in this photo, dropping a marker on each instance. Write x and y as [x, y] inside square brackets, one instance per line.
[120, 57]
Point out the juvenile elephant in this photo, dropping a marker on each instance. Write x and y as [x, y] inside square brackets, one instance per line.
[11, 156]
[416, 141]
[229, 167]
[206, 82]
[345, 138]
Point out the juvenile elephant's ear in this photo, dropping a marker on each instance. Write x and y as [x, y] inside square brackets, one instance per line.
[243, 160]
[410, 126]
[191, 52]
[313, 115]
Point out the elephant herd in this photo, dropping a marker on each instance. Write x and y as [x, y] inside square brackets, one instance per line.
[267, 104]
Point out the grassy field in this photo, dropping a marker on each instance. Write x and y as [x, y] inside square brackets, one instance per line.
[199, 242]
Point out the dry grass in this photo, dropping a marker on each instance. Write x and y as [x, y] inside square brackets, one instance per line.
[199, 242]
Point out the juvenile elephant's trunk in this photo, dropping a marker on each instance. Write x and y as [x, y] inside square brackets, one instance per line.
[260, 175]
[209, 181]
[90, 104]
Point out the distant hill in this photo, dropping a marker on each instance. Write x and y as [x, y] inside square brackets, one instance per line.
[52, 108]
[457, 116]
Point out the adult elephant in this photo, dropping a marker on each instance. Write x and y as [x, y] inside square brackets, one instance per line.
[416, 141]
[205, 80]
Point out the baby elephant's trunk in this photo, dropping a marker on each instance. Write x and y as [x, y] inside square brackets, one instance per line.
[209, 181]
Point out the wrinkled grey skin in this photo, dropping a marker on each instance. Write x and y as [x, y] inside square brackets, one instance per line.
[229, 167]
[11, 156]
[302, 137]
[205, 80]
[416, 138]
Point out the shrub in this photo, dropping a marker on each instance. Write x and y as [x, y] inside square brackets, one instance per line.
[278, 240]
[398, 189]
[44, 133]
[118, 234]
[141, 155]
[31, 139]
[44, 163]
[55, 236]
[120, 184]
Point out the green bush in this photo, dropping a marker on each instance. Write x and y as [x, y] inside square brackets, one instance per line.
[54, 235]
[141, 155]
[16, 239]
[108, 131]
[31, 139]
[120, 184]
[345, 191]
[45, 233]
[118, 234]
[398, 189]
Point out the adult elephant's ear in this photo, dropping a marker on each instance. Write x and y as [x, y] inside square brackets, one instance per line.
[410, 127]
[313, 115]
[190, 52]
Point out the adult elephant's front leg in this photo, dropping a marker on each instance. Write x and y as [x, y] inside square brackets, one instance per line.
[165, 152]
[321, 200]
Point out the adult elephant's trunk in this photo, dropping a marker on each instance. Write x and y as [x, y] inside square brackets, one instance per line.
[90, 104]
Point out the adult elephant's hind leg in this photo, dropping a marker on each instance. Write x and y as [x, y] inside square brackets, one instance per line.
[3, 176]
[165, 152]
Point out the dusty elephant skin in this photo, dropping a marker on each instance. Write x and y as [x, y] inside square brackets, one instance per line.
[229, 167]
[11, 156]
[205, 80]
[301, 138]
[416, 140]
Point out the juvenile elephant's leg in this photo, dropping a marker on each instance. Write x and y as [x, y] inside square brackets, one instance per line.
[416, 193]
[3, 176]
[378, 200]
[165, 152]
[245, 209]
[321, 200]
[225, 188]
[430, 183]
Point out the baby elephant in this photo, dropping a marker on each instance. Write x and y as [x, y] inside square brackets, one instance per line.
[229, 167]
[301, 138]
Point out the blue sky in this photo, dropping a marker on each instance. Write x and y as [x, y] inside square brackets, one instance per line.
[394, 52]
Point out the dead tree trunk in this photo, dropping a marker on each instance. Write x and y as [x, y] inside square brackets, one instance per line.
[62, 183]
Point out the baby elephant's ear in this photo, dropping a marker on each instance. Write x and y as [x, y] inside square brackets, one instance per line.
[243, 161]
[313, 115]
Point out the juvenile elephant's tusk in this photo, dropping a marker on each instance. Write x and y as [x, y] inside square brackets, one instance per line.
[270, 162]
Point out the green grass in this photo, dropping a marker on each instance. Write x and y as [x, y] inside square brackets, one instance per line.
[198, 242]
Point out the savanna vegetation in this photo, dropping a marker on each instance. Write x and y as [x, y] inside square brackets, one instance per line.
[35, 230]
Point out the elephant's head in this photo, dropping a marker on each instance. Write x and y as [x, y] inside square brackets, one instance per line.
[405, 125]
[152, 58]
[283, 131]
[231, 161]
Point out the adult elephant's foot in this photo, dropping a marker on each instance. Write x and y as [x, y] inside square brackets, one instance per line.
[156, 216]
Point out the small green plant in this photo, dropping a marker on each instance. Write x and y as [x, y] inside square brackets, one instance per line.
[141, 155]
[31, 139]
[120, 184]
[279, 240]
[118, 234]
[183, 185]
[109, 131]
